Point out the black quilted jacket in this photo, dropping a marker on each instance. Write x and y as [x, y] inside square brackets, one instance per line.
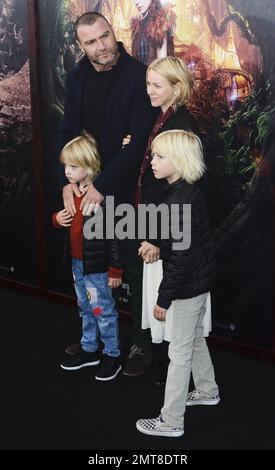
[191, 272]
[100, 253]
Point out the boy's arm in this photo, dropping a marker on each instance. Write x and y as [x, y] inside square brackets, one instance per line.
[115, 273]
[176, 269]
[116, 258]
[171, 280]
[115, 277]
[62, 219]
[54, 220]
[116, 262]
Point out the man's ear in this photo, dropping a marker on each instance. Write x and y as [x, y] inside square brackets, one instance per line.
[79, 46]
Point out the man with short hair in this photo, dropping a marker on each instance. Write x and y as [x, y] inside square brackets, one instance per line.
[106, 95]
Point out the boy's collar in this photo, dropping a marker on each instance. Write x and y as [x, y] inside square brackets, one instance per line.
[170, 187]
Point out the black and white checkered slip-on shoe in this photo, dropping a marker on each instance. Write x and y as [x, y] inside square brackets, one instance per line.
[196, 398]
[157, 427]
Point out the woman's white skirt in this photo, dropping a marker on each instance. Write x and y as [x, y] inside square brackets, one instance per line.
[161, 330]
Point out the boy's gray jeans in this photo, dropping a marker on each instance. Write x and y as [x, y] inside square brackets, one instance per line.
[188, 352]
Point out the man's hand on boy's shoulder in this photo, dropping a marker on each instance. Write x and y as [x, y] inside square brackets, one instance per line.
[68, 197]
[92, 199]
[159, 313]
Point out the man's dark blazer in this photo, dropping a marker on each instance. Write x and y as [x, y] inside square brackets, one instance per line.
[127, 111]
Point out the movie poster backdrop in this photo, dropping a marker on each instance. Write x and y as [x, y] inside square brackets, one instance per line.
[228, 45]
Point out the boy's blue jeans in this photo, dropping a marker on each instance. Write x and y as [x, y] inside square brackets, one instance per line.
[97, 309]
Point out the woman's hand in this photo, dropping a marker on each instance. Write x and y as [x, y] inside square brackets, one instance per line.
[64, 218]
[149, 253]
[126, 140]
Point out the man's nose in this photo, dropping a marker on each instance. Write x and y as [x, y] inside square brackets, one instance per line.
[101, 44]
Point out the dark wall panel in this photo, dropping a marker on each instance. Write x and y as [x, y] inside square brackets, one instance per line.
[17, 235]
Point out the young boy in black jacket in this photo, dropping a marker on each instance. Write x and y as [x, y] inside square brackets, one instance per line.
[96, 266]
[189, 272]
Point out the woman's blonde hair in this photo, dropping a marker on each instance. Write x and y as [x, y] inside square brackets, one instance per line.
[82, 151]
[184, 149]
[175, 71]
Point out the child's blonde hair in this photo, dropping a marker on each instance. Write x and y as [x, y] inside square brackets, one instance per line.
[82, 151]
[184, 149]
[175, 71]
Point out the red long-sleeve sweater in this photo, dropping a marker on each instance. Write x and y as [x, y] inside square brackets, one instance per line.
[76, 237]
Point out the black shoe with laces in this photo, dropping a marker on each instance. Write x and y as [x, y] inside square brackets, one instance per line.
[109, 368]
[73, 349]
[82, 359]
[138, 361]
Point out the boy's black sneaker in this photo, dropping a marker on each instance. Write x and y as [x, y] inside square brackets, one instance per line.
[109, 368]
[82, 359]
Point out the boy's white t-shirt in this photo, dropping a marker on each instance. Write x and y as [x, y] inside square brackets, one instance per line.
[161, 330]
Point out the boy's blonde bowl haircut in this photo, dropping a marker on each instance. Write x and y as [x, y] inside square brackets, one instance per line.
[82, 151]
[175, 71]
[184, 149]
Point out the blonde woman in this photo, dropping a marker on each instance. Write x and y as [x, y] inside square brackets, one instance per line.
[189, 273]
[169, 84]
